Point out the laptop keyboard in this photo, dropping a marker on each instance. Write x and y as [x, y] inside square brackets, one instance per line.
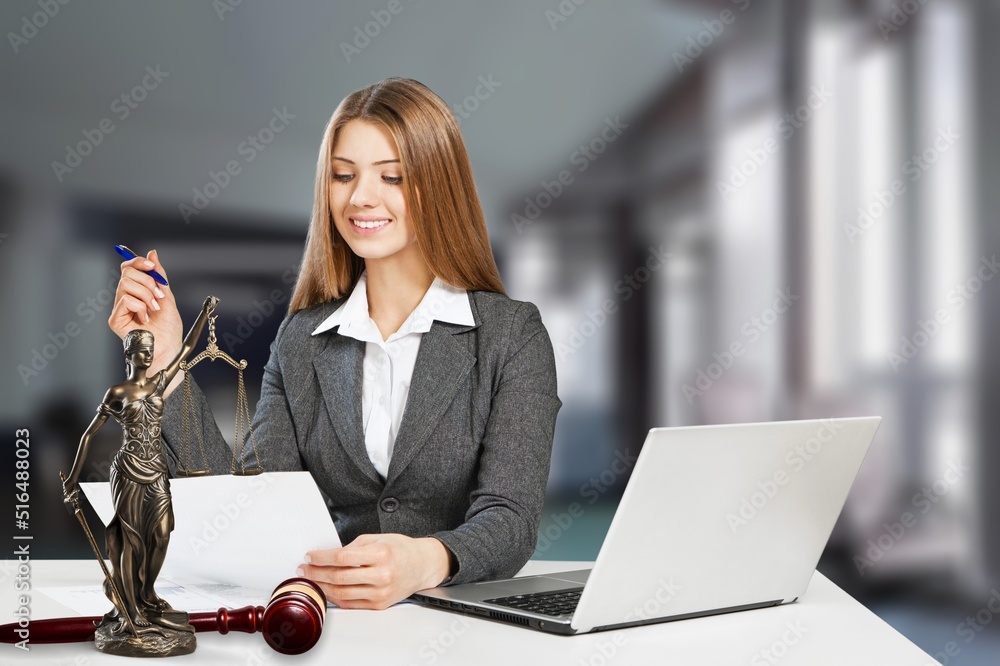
[557, 604]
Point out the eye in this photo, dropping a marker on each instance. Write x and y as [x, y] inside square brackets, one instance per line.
[342, 177]
[392, 180]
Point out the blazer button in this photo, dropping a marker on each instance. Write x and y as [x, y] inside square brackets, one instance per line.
[389, 504]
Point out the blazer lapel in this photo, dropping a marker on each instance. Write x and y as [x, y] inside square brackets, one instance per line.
[443, 361]
[338, 370]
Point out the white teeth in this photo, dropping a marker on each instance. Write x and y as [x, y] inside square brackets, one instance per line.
[370, 225]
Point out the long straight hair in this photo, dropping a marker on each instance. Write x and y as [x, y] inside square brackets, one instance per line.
[441, 199]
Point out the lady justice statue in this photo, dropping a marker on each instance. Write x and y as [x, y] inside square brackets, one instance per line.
[142, 623]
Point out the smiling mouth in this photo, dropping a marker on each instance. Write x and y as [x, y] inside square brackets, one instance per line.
[370, 224]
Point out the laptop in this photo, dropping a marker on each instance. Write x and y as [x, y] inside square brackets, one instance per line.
[714, 519]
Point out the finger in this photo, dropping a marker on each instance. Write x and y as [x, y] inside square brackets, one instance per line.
[147, 286]
[138, 290]
[142, 263]
[138, 311]
[370, 576]
[355, 605]
[344, 593]
[153, 256]
[356, 596]
[128, 310]
[341, 557]
[352, 555]
[143, 278]
[138, 263]
[332, 557]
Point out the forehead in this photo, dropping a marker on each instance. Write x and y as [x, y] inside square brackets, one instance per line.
[364, 142]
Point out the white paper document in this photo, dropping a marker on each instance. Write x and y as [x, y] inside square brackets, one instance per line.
[248, 531]
[91, 600]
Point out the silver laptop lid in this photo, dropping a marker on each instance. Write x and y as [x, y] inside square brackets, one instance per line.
[723, 516]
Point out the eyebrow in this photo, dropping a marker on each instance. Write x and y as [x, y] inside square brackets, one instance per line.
[344, 159]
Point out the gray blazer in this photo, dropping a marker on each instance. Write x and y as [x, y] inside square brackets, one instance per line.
[470, 461]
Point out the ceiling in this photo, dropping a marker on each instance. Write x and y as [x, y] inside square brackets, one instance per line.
[227, 71]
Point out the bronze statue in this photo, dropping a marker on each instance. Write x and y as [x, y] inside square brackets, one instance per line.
[142, 623]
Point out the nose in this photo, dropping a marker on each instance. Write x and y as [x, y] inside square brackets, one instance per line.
[365, 194]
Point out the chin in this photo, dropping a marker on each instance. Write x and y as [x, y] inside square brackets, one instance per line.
[375, 248]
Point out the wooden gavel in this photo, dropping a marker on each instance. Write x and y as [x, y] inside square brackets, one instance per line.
[291, 622]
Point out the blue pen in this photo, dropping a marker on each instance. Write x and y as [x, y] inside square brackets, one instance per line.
[129, 254]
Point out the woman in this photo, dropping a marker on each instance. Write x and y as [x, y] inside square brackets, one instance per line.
[138, 535]
[420, 397]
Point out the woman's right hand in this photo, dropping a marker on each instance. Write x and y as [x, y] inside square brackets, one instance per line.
[141, 302]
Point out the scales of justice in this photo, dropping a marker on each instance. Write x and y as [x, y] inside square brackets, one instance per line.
[142, 623]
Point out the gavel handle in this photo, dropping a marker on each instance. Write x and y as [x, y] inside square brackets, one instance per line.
[78, 629]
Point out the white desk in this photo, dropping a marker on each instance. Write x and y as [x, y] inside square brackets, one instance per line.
[831, 629]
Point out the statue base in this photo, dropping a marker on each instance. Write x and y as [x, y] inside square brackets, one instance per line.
[169, 635]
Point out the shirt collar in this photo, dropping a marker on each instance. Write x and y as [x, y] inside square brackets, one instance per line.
[442, 302]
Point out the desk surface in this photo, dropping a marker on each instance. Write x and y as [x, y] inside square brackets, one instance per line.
[825, 627]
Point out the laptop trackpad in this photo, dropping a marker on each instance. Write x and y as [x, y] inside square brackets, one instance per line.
[533, 584]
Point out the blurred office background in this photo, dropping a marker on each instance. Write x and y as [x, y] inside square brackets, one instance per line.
[811, 184]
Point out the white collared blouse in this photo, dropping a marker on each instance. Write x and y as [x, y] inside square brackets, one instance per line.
[388, 364]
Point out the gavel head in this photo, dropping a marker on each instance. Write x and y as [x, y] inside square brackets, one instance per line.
[293, 617]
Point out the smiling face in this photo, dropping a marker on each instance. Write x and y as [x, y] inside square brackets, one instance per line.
[367, 200]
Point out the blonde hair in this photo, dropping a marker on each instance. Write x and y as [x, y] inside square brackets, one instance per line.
[441, 199]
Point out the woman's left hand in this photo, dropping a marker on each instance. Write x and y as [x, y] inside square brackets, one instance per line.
[377, 570]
